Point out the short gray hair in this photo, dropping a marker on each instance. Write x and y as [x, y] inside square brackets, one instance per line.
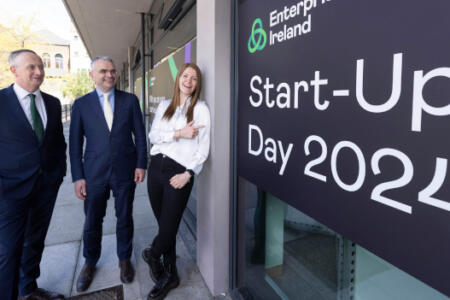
[107, 58]
[12, 58]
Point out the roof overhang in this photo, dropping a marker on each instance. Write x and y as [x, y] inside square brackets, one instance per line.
[108, 27]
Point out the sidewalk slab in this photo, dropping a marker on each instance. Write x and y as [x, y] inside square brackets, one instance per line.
[142, 238]
[66, 224]
[58, 266]
[142, 212]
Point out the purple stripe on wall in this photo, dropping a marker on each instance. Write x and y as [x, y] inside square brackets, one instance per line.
[187, 53]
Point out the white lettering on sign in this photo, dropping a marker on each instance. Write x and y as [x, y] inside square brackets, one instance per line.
[285, 95]
[272, 148]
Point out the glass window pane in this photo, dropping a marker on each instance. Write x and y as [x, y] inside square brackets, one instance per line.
[289, 255]
[377, 279]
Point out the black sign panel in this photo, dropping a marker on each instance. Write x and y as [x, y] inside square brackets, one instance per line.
[344, 113]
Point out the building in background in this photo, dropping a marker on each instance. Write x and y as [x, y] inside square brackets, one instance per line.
[56, 56]
[80, 60]
[65, 58]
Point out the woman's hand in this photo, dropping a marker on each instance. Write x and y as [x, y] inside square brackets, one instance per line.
[189, 131]
[179, 181]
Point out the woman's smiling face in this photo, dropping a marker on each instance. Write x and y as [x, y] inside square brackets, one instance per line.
[188, 81]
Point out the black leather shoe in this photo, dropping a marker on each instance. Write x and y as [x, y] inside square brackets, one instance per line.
[168, 281]
[155, 264]
[41, 294]
[85, 278]
[126, 271]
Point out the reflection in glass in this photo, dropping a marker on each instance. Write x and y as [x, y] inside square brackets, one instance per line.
[289, 255]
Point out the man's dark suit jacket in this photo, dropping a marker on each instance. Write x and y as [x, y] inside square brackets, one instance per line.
[107, 152]
[22, 158]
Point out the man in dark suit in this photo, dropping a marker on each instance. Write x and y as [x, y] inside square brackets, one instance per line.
[113, 160]
[32, 167]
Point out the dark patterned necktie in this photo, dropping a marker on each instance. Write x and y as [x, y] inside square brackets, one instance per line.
[38, 126]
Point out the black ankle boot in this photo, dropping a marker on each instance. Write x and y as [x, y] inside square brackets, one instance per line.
[168, 281]
[155, 264]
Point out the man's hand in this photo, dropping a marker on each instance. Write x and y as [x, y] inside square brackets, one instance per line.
[139, 175]
[80, 189]
[179, 181]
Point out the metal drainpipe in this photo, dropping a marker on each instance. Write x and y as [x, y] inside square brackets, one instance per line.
[143, 64]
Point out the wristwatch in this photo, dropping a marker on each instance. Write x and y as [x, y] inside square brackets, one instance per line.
[191, 172]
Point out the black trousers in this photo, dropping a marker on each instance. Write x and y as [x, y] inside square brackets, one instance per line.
[167, 203]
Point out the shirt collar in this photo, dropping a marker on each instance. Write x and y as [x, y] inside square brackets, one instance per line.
[100, 93]
[184, 108]
[22, 93]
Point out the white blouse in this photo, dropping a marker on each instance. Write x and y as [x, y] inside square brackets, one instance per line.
[190, 153]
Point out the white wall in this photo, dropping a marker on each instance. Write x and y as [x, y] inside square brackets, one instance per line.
[214, 59]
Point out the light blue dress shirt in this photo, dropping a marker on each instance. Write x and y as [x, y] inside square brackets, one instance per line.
[101, 98]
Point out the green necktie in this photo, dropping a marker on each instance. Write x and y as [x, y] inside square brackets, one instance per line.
[36, 119]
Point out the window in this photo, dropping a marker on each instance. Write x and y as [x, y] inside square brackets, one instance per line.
[46, 60]
[288, 255]
[59, 61]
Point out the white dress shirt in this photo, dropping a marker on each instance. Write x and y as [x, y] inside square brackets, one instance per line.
[25, 100]
[190, 153]
[101, 98]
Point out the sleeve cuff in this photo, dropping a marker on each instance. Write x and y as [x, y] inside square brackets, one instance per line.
[168, 136]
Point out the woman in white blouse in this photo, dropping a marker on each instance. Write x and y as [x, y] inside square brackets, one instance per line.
[180, 138]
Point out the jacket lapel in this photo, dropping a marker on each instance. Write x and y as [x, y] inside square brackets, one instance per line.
[17, 110]
[49, 112]
[117, 108]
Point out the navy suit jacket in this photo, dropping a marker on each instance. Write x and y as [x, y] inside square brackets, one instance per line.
[22, 157]
[107, 152]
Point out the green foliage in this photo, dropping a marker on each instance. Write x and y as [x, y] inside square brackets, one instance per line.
[77, 85]
[12, 37]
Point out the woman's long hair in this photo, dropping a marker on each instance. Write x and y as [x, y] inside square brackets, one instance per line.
[176, 94]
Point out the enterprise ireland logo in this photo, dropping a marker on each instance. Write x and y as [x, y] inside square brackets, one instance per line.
[283, 23]
[258, 37]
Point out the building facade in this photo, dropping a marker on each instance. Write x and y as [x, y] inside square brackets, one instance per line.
[307, 101]
[55, 54]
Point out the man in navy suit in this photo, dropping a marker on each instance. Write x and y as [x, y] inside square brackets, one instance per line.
[113, 160]
[32, 167]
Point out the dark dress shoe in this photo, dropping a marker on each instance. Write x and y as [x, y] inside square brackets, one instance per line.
[41, 294]
[85, 278]
[168, 281]
[155, 264]
[126, 271]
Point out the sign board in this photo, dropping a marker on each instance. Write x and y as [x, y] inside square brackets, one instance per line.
[344, 113]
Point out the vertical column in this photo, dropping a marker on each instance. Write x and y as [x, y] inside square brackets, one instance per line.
[214, 59]
[130, 71]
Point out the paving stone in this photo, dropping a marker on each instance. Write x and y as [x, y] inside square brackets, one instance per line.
[142, 238]
[57, 267]
[66, 224]
[66, 195]
[142, 213]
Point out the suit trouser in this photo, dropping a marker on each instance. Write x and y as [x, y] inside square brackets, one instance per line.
[168, 204]
[23, 227]
[95, 209]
